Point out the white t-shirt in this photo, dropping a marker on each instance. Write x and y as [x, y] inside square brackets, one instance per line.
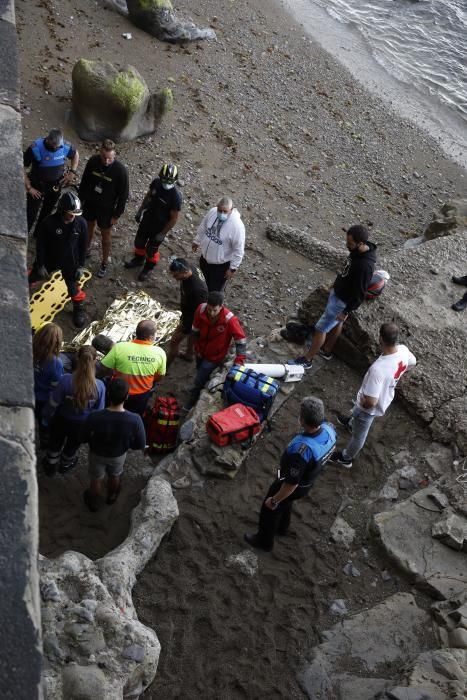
[381, 379]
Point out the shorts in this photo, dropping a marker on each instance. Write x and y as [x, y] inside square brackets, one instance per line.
[328, 319]
[92, 212]
[100, 466]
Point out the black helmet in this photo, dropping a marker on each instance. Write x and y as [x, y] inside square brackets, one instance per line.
[168, 173]
[70, 203]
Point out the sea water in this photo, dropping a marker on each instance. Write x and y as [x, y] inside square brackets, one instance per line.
[412, 53]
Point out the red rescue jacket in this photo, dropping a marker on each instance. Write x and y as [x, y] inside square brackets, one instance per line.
[212, 340]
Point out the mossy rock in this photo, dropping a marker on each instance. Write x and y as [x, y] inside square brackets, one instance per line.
[158, 18]
[111, 101]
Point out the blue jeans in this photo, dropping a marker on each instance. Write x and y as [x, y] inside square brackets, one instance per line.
[204, 369]
[361, 423]
[328, 319]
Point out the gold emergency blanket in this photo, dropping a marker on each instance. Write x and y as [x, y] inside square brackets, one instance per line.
[122, 317]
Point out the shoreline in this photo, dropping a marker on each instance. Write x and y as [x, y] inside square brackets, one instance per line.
[347, 46]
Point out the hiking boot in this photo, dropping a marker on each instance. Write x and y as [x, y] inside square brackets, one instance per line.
[337, 458]
[345, 421]
[460, 280]
[325, 355]
[144, 274]
[460, 305]
[67, 464]
[102, 271]
[92, 502]
[112, 496]
[255, 541]
[79, 317]
[136, 261]
[306, 364]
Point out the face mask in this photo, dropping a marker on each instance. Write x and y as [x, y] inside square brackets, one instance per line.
[222, 216]
[168, 185]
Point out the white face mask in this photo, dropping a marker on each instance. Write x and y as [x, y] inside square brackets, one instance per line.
[222, 216]
[168, 185]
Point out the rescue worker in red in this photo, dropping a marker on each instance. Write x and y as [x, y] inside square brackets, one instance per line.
[156, 216]
[61, 245]
[214, 328]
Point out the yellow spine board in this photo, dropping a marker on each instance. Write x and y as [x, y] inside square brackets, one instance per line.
[51, 298]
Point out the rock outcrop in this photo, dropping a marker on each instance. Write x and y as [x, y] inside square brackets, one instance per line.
[453, 216]
[94, 645]
[114, 102]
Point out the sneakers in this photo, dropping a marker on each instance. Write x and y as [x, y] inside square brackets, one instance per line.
[255, 541]
[337, 458]
[306, 364]
[325, 355]
[67, 464]
[136, 261]
[102, 271]
[460, 280]
[345, 421]
[460, 305]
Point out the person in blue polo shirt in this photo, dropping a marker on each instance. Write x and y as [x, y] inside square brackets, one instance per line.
[46, 159]
[302, 462]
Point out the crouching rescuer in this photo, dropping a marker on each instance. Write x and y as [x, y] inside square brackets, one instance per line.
[302, 462]
[61, 245]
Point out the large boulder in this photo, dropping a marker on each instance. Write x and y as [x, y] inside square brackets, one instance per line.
[453, 216]
[111, 101]
[158, 18]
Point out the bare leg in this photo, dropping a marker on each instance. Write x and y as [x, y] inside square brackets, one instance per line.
[91, 231]
[106, 243]
[332, 337]
[113, 488]
[95, 487]
[318, 339]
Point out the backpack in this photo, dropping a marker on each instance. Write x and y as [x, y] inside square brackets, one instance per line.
[162, 423]
[250, 388]
[237, 423]
[377, 284]
[296, 332]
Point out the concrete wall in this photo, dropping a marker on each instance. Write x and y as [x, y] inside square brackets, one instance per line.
[20, 651]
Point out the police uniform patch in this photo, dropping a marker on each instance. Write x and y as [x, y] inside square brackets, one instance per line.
[294, 472]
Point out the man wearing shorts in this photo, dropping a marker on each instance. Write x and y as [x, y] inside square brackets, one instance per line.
[104, 192]
[346, 295]
[110, 434]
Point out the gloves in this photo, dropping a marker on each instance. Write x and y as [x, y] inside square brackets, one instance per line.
[43, 273]
[239, 360]
[139, 215]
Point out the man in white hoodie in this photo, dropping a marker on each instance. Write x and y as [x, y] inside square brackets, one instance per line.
[221, 238]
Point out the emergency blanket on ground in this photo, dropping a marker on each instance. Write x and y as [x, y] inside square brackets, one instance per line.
[51, 298]
[122, 317]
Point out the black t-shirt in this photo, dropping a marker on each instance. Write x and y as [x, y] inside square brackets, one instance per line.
[39, 173]
[105, 186]
[293, 467]
[162, 203]
[193, 292]
[61, 246]
[112, 433]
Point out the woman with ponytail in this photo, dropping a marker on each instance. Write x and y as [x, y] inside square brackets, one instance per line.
[70, 403]
[48, 368]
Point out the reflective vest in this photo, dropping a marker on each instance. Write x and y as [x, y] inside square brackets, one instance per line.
[315, 451]
[50, 159]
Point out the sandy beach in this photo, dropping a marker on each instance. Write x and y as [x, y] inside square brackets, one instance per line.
[265, 115]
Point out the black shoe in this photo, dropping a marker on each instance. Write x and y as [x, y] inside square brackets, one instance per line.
[92, 502]
[337, 458]
[345, 421]
[460, 305]
[67, 464]
[143, 275]
[102, 271]
[255, 542]
[325, 355]
[112, 496]
[136, 261]
[460, 280]
[49, 469]
[79, 317]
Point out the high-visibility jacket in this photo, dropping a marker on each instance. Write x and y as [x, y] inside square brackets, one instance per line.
[139, 362]
[212, 340]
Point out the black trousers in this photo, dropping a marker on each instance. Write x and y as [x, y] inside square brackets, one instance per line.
[214, 274]
[136, 403]
[277, 520]
[65, 438]
[69, 277]
[48, 202]
[148, 239]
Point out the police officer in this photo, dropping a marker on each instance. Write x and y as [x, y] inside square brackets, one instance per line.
[156, 216]
[61, 245]
[301, 463]
[46, 158]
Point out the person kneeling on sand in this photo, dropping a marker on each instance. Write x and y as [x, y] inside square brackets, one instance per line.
[376, 392]
[302, 462]
[110, 434]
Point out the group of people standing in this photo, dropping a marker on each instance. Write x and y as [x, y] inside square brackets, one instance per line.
[101, 401]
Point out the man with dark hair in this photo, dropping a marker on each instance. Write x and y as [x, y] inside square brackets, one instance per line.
[214, 328]
[346, 295]
[302, 462]
[193, 291]
[110, 434]
[46, 158]
[104, 191]
[139, 362]
[156, 216]
[376, 392]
